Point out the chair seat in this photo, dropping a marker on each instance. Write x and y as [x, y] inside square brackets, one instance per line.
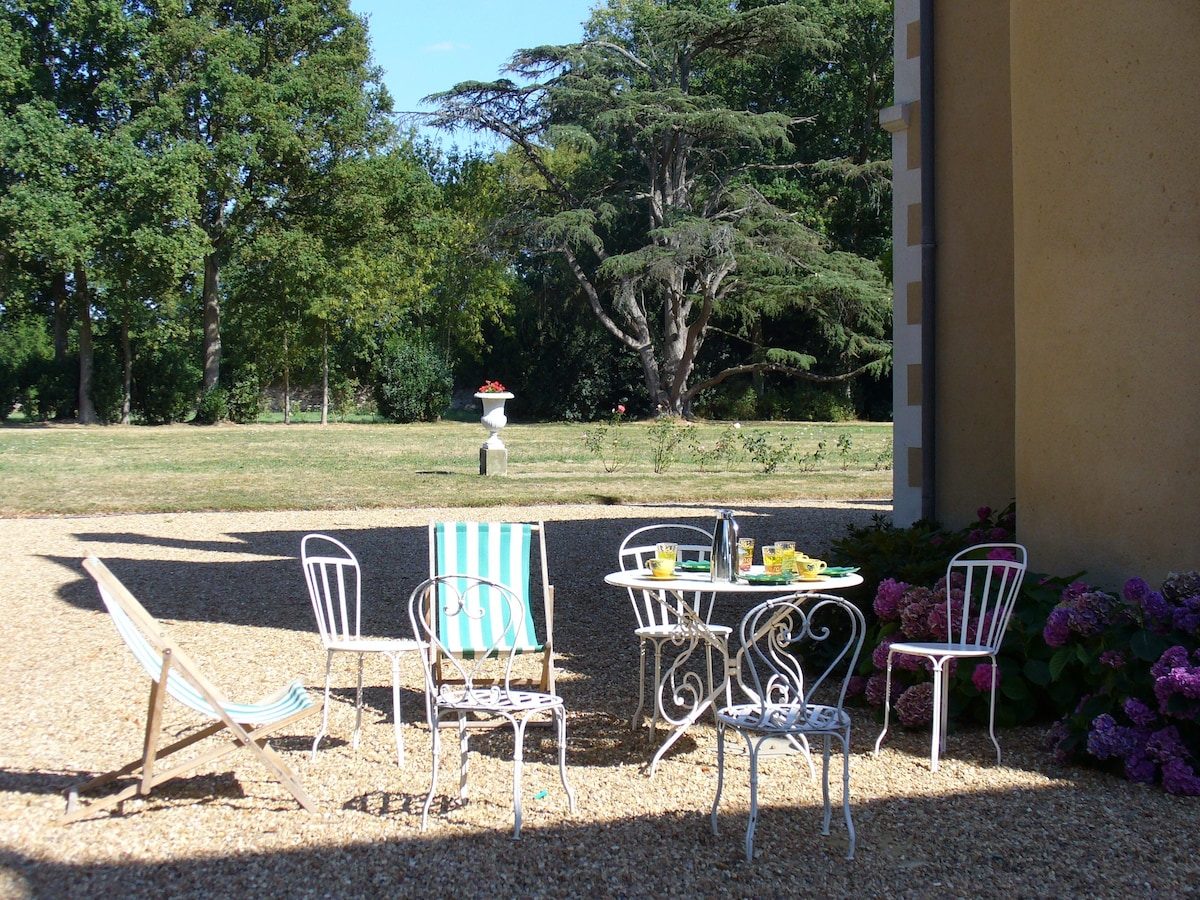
[785, 718]
[664, 632]
[497, 700]
[933, 648]
[399, 645]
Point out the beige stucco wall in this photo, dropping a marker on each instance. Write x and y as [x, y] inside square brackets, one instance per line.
[1106, 225]
[975, 330]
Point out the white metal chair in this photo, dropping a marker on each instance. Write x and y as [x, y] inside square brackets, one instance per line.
[173, 673]
[980, 595]
[334, 581]
[452, 605]
[780, 640]
[658, 621]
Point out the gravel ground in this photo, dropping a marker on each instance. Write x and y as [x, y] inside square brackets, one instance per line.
[230, 589]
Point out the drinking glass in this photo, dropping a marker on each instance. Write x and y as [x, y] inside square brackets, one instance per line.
[787, 553]
[772, 560]
[666, 550]
[745, 554]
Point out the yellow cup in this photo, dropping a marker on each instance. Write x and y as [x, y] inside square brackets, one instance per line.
[772, 560]
[808, 567]
[660, 567]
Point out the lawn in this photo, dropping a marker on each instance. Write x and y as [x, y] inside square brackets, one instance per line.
[73, 470]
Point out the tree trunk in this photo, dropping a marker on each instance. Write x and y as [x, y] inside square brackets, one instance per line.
[324, 375]
[126, 373]
[87, 412]
[212, 321]
[287, 384]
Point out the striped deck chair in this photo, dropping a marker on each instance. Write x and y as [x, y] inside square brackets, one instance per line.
[173, 673]
[500, 552]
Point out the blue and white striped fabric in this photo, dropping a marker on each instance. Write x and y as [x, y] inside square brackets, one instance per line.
[498, 552]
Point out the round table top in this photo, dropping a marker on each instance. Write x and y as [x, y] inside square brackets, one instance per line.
[699, 581]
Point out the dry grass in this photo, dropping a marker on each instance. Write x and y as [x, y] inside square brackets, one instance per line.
[72, 470]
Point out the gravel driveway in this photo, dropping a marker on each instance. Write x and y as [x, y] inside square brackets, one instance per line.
[230, 589]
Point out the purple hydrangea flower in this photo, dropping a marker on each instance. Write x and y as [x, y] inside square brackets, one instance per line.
[1056, 738]
[915, 706]
[876, 689]
[1139, 713]
[1136, 589]
[887, 599]
[984, 513]
[1139, 768]
[856, 685]
[1106, 739]
[1175, 657]
[1058, 628]
[1178, 777]
[983, 677]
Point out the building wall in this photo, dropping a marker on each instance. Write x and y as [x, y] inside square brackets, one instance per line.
[976, 384]
[1106, 224]
[974, 380]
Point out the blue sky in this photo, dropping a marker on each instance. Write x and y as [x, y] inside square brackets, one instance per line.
[424, 47]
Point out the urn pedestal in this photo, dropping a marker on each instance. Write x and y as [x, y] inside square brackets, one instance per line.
[493, 456]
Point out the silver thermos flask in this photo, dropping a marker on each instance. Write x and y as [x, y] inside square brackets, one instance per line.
[723, 560]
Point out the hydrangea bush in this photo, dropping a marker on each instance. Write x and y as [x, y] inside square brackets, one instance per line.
[1135, 659]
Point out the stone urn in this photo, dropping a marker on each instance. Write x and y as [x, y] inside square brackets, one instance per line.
[493, 456]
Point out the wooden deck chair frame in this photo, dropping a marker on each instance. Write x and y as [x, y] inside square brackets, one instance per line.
[545, 647]
[172, 672]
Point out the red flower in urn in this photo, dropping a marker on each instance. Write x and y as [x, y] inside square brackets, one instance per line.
[492, 387]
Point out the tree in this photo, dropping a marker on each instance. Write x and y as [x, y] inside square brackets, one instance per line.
[649, 184]
[267, 94]
[65, 69]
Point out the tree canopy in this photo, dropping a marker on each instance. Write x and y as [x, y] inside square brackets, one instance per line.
[655, 186]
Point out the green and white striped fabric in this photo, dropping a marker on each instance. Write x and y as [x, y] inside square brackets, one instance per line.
[291, 700]
[498, 552]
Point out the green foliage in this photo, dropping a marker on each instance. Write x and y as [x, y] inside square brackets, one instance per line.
[212, 407]
[607, 441]
[666, 434]
[24, 346]
[166, 382]
[244, 399]
[412, 382]
[766, 453]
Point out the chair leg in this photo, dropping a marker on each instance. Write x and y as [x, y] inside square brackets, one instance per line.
[637, 713]
[655, 704]
[992, 708]
[845, 739]
[436, 735]
[828, 814]
[464, 757]
[358, 704]
[561, 716]
[325, 710]
[752, 746]
[940, 711]
[518, 725]
[396, 717]
[887, 703]
[720, 773]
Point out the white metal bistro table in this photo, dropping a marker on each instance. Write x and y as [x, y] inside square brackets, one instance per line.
[688, 693]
